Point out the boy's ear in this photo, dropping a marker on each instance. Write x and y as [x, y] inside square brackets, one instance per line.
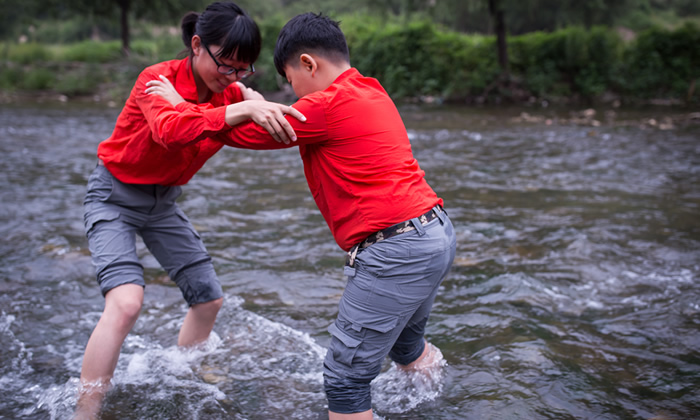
[308, 63]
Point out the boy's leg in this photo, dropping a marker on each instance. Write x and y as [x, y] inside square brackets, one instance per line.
[411, 351]
[178, 247]
[388, 300]
[365, 415]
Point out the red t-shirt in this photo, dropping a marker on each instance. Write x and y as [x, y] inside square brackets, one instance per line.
[357, 158]
[156, 143]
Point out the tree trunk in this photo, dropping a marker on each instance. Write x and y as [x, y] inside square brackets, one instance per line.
[497, 16]
[124, 21]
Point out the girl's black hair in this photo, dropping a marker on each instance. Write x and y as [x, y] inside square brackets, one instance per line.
[226, 25]
[312, 33]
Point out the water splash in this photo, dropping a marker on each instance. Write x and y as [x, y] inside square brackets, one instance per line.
[399, 391]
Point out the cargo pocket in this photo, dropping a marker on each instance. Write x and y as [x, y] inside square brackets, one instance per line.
[100, 185]
[93, 218]
[343, 346]
[362, 344]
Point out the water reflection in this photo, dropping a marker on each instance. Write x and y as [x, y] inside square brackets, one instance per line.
[574, 293]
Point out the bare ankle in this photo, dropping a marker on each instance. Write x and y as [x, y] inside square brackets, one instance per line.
[90, 397]
[426, 360]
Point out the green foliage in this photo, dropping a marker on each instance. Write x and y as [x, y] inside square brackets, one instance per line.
[26, 53]
[83, 80]
[14, 77]
[415, 58]
[663, 63]
[148, 49]
[411, 58]
[93, 52]
[10, 77]
[266, 77]
[572, 60]
[37, 79]
[66, 30]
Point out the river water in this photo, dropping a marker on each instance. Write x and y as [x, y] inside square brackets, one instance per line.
[575, 293]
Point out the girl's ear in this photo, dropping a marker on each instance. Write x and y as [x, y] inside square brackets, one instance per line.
[196, 44]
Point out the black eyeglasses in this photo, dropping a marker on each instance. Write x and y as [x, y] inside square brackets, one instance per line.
[228, 70]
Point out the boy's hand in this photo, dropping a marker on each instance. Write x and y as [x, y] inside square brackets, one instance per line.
[271, 116]
[164, 89]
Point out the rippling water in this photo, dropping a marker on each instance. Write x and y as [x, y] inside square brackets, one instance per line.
[574, 294]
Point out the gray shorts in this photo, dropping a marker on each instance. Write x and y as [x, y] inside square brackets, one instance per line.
[384, 309]
[115, 212]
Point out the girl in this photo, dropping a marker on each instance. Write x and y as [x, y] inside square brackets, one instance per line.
[154, 149]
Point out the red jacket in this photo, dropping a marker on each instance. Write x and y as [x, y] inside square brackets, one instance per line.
[357, 158]
[156, 143]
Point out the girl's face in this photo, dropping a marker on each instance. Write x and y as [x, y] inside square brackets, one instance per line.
[210, 70]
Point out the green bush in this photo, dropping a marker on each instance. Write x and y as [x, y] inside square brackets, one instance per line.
[93, 52]
[63, 31]
[83, 80]
[37, 79]
[148, 50]
[662, 63]
[10, 77]
[27, 53]
[168, 47]
[415, 58]
[572, 60]
[266, 77]
[410, 58]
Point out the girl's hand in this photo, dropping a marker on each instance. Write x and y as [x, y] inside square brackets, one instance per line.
[164, 89]
[269, 115]
[249, 94]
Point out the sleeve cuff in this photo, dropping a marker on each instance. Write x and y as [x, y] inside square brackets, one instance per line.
[216, 117]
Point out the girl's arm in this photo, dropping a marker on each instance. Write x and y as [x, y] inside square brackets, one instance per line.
[269, 115]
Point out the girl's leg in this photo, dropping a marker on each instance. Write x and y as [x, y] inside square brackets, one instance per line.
[199, 322]
[122, 307]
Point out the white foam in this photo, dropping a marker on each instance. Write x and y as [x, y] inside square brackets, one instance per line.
[400, 391]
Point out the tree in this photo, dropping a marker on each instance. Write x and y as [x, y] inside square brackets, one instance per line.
[158, 11]
[497, 15]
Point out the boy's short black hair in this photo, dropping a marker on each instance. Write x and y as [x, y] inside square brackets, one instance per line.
[310, 32]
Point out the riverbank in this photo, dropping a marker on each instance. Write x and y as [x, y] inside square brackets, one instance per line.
[573, 66]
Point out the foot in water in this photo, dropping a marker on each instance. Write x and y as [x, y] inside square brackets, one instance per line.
[403, 387]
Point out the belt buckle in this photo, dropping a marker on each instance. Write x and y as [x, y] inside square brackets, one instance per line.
[352, 255]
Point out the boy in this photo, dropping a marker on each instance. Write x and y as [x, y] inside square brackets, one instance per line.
[372, 193]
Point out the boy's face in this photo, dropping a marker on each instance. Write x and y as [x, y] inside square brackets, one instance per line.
[300, 79]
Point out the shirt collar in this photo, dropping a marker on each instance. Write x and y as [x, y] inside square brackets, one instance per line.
[184, 83]
[348, 74]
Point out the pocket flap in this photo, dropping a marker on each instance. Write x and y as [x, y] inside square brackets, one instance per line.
[382, 324]
[342, 336]
[99, 216]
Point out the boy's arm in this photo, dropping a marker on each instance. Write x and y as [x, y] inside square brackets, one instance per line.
[252, 136]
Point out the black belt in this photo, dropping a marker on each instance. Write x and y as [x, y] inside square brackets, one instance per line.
[387, 233]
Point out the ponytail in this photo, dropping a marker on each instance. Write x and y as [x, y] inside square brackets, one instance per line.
[188, 25]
